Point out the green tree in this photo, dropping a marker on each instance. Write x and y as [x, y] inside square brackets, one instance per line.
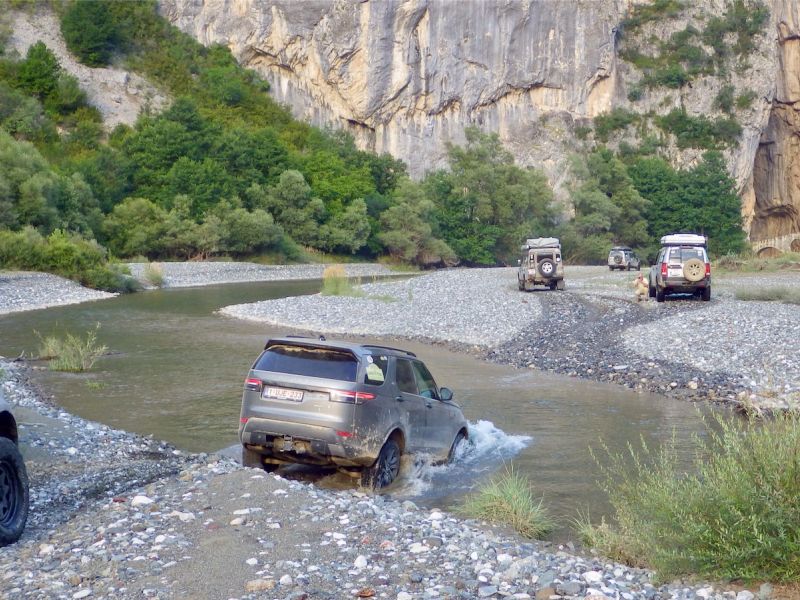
[486, 204]
[608, 209]
[38, 73]
[135, 227]
[701, 200]
[89, 31]
[409, 228]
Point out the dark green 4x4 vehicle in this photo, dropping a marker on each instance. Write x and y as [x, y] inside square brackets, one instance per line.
[358, 407]
[14, 492]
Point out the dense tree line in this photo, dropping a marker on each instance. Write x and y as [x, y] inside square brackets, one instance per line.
[226, 171]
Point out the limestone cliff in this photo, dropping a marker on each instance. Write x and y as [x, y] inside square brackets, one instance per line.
[406, 77]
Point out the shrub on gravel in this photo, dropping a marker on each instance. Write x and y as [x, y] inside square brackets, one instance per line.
[153, 274]
[734, 516]
[508, 499]
[782, 294]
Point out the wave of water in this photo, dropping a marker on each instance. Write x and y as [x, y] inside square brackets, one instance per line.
[488, 449]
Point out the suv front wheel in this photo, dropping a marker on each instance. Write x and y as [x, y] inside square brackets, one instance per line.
[13, 492]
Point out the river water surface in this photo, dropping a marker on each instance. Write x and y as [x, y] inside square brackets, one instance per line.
[175, 371]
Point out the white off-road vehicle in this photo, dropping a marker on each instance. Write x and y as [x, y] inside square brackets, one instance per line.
[541, 264]
[682, 267]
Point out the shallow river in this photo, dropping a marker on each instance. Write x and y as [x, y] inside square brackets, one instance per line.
[175, 370]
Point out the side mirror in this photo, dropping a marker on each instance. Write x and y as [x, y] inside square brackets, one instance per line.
[446, 394]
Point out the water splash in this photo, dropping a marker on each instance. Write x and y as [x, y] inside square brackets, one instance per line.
[488, 448]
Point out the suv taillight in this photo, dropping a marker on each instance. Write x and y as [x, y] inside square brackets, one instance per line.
[708, 269]
[663, 269]
[351, 397]
[252, 384]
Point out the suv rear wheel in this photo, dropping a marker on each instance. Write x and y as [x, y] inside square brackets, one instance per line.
[706, 294]
[13, 492]
[385, 469]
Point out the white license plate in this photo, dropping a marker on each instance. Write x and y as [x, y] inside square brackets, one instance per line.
[676, 273]
[283, 394]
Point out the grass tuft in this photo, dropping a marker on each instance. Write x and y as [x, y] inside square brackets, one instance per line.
[734, 516]
[153, 274]
[73, 353]
[336, 283]
[783, 294]
[508, 500]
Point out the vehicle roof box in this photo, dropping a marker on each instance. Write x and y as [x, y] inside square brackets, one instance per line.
[543, 242]
[684, 239]
[621, 248]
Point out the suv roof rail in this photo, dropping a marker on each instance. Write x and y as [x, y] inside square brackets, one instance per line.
[378, 347]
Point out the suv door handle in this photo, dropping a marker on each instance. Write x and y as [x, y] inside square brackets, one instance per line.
[429, 404]
[399, 398]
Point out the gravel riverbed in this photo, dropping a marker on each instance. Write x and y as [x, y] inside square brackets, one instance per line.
[116, 515]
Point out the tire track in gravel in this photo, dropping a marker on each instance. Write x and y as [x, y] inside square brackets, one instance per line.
[582, 337]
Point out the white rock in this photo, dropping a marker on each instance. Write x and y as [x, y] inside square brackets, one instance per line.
[141, 501]
[45, 549]
[404, 596]
[252, 561]
[82, 593]
[360, 562]
[286, 580]
[593, 576]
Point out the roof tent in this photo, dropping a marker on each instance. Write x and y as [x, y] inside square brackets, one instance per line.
[545, 242]
[684, 239]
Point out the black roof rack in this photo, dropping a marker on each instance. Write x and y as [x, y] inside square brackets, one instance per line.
[376, 347]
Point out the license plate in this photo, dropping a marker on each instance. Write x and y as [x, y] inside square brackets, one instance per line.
[283, 394]
[675, 273]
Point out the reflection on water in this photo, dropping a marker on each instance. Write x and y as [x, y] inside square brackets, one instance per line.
[177, 367]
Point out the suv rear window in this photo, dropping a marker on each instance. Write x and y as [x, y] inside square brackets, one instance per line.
[326, 363]
[681, 255]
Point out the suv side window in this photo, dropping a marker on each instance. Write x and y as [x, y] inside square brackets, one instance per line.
[375, 372]
[425, 382]
[405, 376]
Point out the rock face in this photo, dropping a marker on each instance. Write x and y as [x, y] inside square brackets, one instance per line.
[776, 172]
[407, 76]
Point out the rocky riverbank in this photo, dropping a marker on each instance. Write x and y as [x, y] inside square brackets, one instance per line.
[116, 515]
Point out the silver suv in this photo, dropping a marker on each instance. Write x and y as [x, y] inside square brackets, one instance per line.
[540, 264]
[14, 493]
[682, 267]
[357, 407]
[622, 258]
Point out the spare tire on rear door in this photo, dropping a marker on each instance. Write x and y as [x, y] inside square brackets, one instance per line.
[547, 267]
[694, 269]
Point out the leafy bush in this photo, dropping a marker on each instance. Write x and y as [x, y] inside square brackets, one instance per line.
[60, 253]
[736, 515]
[656, 10]
[508, 499]
[700, 131]
[618, 118]
[72, 353]
[745, 100]
[724, 99]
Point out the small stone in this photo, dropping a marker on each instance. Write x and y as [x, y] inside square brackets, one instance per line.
[141, 501]
[252, 561]
[82, 594]
[360, 562]
[259, 585]
[286, 580]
